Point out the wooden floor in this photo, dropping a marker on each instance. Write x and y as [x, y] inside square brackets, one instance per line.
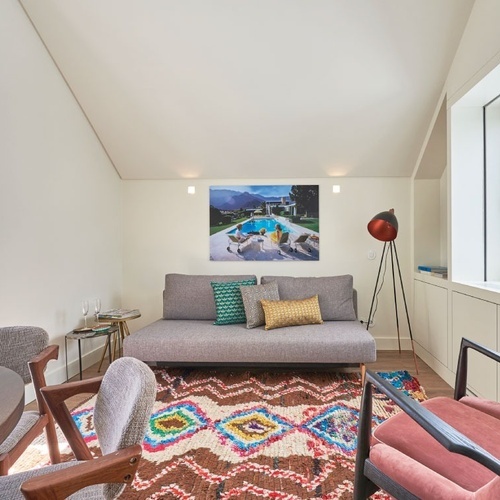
[386, 361]
[433, 384]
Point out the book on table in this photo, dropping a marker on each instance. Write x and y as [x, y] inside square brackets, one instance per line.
[437, 271]
[119, 314]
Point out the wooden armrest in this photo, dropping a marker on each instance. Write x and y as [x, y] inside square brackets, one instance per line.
[55, 397]
[453, 440]
[118, 467]
[461, 376]
[61, 392]
[37, 366]
[50, 352]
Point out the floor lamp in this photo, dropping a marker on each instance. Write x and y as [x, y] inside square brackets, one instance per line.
[384, 227]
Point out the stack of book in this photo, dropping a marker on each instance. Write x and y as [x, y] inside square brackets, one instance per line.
[119, 314]
[437, 271]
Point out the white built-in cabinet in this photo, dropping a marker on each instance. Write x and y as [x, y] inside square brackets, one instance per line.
[443, 313]
[476, 319]
[431, 322]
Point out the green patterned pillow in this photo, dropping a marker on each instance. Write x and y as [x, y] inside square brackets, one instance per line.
[228, 301]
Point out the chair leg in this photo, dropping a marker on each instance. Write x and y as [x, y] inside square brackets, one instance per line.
[52, 441]
[4, 464]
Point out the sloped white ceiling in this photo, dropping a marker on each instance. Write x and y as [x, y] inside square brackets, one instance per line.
[255, 88]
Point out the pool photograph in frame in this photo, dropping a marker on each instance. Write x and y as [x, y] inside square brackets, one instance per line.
[277, 222]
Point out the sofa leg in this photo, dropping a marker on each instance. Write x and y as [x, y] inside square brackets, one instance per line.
[362, 368]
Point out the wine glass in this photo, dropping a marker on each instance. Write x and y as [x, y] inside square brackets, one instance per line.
[97, 309]
[85, 310]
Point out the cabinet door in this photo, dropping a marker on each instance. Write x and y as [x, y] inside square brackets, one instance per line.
[476, 319]
[431, 319]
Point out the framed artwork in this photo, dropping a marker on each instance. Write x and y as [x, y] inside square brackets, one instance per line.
[278, 223]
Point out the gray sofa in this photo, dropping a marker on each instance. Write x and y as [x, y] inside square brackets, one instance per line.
[186, 335]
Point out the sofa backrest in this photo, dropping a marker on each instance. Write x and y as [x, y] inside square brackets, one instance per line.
[190, 296]
[335, 293]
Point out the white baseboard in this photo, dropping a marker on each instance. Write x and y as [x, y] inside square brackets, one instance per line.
[391, 344]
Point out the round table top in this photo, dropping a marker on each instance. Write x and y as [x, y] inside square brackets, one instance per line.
[12, 398]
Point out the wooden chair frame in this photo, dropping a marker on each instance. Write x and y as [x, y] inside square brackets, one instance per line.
[45, 422]
[369, 479]
[117, 467]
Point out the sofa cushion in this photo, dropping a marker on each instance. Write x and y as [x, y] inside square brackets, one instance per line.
[228, 301]
[281, 313]
[190, 296]
[252, 295]
[194, 341]
[335, 293]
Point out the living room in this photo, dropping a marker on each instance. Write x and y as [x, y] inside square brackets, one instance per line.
[78, 225]
[95, 172]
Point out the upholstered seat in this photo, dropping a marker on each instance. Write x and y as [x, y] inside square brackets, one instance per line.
[444, 448]
[460, 474]
[25, 350]
[125, 398]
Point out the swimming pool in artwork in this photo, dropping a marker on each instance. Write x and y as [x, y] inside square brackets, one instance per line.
[255, 225]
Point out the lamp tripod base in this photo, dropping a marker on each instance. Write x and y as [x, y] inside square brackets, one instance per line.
[390, 248]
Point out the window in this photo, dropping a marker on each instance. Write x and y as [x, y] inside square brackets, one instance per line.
[475, 184]
[492, 190]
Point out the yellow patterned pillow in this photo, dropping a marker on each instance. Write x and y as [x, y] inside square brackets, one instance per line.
[280, 313]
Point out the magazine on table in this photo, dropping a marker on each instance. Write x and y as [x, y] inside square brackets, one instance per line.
[118, 313]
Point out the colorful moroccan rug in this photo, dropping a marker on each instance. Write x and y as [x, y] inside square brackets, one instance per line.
[252, 435]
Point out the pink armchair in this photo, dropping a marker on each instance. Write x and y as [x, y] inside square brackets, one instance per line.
[443, 448]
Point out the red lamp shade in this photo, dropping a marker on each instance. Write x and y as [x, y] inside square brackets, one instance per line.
[384, 226]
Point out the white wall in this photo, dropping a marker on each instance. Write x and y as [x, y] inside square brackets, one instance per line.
[479, 49]
[477, 59]
[167, 230]
[60, 197]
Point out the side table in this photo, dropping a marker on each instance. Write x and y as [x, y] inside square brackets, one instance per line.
[88, 335]
[120, 325]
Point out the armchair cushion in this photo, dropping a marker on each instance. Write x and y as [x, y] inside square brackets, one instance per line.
[486, 406]
[424, 482]
[10, 486]
[27, 421]
[19, 345]
[402, 433]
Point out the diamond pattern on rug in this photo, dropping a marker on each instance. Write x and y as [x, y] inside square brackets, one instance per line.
[337, 426]
[172, 423]
[248, 435]
[250, 429]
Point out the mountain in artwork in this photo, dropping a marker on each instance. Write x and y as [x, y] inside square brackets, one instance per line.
[228, 199]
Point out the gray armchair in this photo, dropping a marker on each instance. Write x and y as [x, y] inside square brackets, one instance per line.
[125, 398]
[25, 350]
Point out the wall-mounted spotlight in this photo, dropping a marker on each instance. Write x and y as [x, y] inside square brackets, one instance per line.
[336, 189]
[191, 190]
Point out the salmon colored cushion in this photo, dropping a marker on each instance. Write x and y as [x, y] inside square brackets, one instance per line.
[485, 405]
[403, 434]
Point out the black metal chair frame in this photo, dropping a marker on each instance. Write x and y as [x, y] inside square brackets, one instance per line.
[368, 478]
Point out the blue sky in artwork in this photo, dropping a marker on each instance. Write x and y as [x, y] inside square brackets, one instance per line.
[275, 190]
